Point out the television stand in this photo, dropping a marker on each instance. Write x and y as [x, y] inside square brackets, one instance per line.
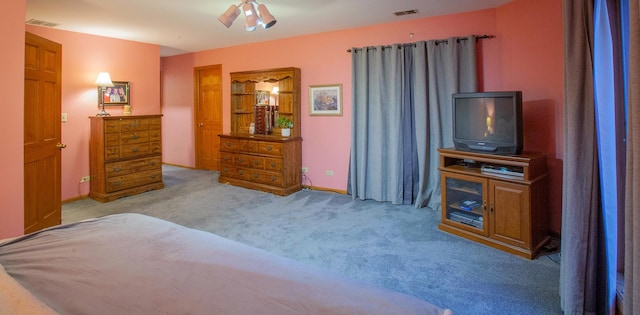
[496, 200]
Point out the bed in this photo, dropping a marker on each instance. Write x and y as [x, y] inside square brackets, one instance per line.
[136, 264]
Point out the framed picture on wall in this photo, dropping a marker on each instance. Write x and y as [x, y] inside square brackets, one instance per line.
[116, 95]
[262, 97]
[325, 100]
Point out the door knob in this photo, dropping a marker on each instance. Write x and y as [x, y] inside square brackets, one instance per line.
[61, 146]
[201, 124]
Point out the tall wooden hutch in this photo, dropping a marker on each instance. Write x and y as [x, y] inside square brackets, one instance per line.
[255, 158]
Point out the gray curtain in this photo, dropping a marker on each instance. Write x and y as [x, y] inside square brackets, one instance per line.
[632, 204]
[581, 197]
[401, 113]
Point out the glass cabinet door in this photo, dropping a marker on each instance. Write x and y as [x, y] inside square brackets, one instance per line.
[465, 202]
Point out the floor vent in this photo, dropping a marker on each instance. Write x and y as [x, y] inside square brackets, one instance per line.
[407, 12]
[41, 23]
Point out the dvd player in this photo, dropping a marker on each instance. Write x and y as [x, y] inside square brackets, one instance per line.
[502, 170]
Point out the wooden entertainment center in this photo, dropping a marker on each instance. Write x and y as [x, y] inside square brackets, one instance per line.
[496, 200]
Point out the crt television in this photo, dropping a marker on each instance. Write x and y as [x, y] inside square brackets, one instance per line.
[488, 122]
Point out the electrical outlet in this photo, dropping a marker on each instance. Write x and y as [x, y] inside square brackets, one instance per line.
[329, 173]
[85, 179]
[64, 117]
[305, 169]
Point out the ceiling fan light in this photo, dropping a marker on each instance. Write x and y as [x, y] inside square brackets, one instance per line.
[229, 16]
[267, 19]
[251, 17]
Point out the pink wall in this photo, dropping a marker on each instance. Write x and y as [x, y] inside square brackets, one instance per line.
[323, 60]
[83, 56]
[12, 119]
[531, 60]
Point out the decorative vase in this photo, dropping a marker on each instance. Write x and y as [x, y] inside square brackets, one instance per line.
[126, 110]
[286, 132]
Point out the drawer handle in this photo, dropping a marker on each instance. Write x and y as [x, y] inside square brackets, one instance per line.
[241, 172]
[273, 164]
[117, 183]
[136, 149]
[135, 136]
[269, 148]
[241, 160]
[153, 176]
[256, 162]
[256, 175]
[153, 163]
[226, 170]
[273, 178]
[227, 144]
[117, 169]
[134, 124]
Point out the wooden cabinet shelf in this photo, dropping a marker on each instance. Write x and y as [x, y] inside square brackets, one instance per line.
[268, 162]
[505, 211]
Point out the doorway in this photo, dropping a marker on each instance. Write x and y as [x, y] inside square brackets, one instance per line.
[208, 116]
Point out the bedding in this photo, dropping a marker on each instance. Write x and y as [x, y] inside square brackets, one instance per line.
[136, 264]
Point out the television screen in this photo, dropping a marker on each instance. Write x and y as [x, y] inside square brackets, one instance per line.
[489, 122]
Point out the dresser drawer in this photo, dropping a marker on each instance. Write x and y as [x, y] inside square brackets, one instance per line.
[111, 126]
[134, 124]
[134, 137]
[155, 135]
[112, 139]
[269, 178]
[270, 148]
[133, 166]
[248, 146]
[235, 172]
[248, 161]
[133, 150]
[273, 165]
[226, 158]
[156, 147]
[133, 180]
[111, 153]
[154, 123]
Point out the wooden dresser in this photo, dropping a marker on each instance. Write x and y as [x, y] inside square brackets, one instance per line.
[125, 156]
[267, 163]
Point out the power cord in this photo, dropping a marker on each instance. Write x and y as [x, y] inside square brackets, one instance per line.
[306, 179]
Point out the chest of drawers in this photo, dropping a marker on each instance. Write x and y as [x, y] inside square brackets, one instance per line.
[266, 163]
[125, 156]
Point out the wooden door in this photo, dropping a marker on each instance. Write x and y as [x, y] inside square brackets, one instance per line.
[208, 116]
[510, 219]
[42, 156]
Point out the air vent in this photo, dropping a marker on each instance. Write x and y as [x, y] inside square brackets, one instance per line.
[41, 23]
[401, 13]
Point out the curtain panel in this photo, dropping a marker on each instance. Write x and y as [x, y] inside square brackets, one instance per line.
[401, 114]
[632, 200]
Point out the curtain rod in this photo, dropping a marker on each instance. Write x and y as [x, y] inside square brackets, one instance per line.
[437, 42]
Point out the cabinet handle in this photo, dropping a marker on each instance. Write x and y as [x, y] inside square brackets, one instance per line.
[136, 149]
[117, 183]
[134, 124]
[240, 160]
[256, 162]
[256, 175]
[241, 172]
[273, 178]
[153, 163]
[153, 176]
[135, 136]
[491, 209]
[117, 169]
[273, 164]
[269, 148]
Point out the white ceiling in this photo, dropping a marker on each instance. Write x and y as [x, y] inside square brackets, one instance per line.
[180, 26]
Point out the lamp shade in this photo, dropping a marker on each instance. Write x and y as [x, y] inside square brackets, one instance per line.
[267, 19]
[230, 15]
[251, 17]
[104, 79]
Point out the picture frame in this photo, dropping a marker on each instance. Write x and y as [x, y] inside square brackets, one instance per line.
[116, 95]
[325, 100]
[262, 97]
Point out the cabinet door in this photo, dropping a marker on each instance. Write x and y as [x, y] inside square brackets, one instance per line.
[509, 213]
[464, 202]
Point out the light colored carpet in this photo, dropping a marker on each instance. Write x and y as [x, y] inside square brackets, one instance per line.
[397, 247]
